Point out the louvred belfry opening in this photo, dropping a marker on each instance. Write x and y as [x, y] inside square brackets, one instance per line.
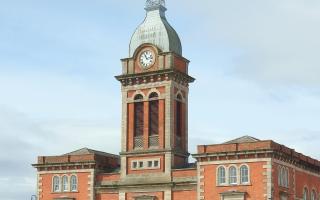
[178, 123]
[154, 120]
[154, 117]
[138, 122]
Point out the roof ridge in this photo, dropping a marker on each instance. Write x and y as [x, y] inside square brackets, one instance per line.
[243, 139]
[86, 150]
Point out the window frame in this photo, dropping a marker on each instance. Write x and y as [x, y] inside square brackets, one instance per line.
[233, 176]
[313, 194]
[65, 184]
[72, 184]
[305, 193]
[219, 183]
[54, 184]
[247, 174]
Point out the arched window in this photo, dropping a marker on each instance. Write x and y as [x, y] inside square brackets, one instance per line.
[153, 114]
[153, 120]
[305, 194]
[244, 174]
[313, 195]
[221, 175]
[283, 177]
[178, 121]
[56, 184]
[233, 175]
[138, 97]
[65, 184]
[73, 183]
[138, 116]
[286, 175]
[153, 95]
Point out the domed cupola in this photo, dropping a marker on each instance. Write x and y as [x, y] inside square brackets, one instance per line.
[156, 30]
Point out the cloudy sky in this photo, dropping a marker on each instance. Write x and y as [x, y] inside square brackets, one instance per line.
[256, 63]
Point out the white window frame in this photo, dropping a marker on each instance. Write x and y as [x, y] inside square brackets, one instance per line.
[283, 176]
[247, 175]
[145, 164]
[71, 184]
[218, 175]
[305, 193]
[313, 194]
[236, 175]
[54, 184]
[65, 184]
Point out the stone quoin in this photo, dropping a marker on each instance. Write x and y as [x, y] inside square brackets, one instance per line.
[153, 162]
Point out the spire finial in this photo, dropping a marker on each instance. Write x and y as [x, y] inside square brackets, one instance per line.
[155, 5]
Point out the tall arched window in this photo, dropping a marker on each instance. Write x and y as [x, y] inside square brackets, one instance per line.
[73, 183]
[283, 176]
[138, 121]
[178, 121]
[313, 195]
[305, 194]
[56, 184]
[233, 175]
[286, 179]
[244, 174]
[221, 175]
[279, 176]
[65, 183]
[153, 120]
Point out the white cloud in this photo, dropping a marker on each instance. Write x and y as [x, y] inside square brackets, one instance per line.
[256, 64]
[277, 42]
[23, 139]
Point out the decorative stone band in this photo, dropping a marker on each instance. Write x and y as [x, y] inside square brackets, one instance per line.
[155, 76]
[154, 151]
[65, 166]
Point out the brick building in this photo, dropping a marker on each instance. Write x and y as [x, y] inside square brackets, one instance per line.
[153, 162]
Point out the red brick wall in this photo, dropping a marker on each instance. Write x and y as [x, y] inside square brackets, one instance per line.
[185, 195]
[108, 177]
[184, 173]
[255, 190]
[279, 189]
[47, 193]
[107, 196]
[180, 64]
[303, 180]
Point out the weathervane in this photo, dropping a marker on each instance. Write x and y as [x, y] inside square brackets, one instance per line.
[155, 4]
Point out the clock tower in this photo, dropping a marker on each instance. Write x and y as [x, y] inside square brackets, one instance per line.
[155, 90]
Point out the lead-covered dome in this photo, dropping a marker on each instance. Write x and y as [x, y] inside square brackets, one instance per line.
[156, 30]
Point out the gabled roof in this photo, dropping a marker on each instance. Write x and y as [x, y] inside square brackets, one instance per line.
[85, 151]
[243, 139]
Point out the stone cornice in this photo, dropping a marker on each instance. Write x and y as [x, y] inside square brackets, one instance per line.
[155, 76]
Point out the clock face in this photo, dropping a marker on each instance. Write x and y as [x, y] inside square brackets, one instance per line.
[146, 59]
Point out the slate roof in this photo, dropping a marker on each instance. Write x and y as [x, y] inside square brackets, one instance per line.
[243, 139]
[156, 30]
[85, 151]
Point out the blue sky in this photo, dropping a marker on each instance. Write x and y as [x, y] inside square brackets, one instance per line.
[256, 65]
